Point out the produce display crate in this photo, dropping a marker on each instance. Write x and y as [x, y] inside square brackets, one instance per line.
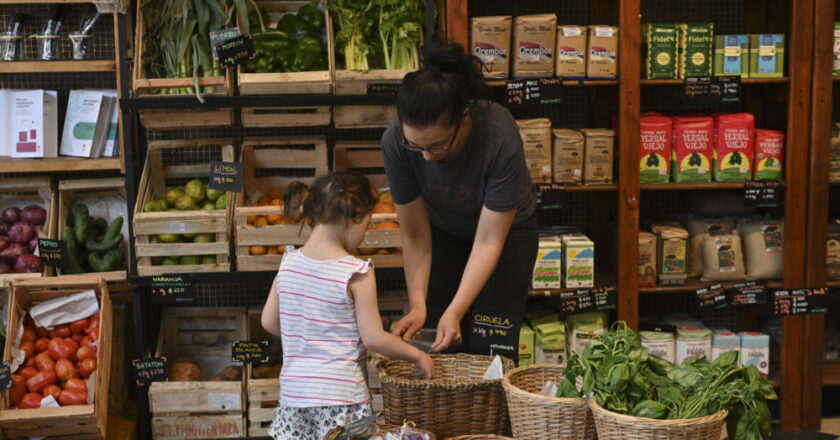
[267, 117]
[270, 163]
[348, 82]
[193, 409]
[263, 394]
[170, 119]
[38, 190]
[69, 191]
[77, 421]
[169, 161]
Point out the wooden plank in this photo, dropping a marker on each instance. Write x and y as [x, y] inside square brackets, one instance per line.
[173, 249]
[173, 397]
[158, 119]
[198, 427]
[457, 24]
[56, 165]
[58, 66]
[281, 117]
[363, 116]
[151, 271]
[628, 161]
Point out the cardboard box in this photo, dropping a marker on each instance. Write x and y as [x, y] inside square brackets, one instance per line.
[767, 55]
[732, 55]
[602, 60]
[549, 264]
[578, 262]
[570, 52]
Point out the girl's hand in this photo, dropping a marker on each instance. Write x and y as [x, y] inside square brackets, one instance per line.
[410, 324]
[448, 332]
[426, 365]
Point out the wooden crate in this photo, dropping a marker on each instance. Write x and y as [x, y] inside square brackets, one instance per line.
[153, 184]
[263, 394]
[38, 190]
[285, 154]
[192, 409]
[167, 119]
[286, 117]
[348, 82]
[69, 191]
[78, 421]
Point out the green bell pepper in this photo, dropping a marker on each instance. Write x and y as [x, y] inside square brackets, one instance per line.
[306, 53]
[282, 60]
[311, 16]
[270, 36]
[293, 27]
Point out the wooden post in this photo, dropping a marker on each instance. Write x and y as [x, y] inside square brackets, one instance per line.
[457, 23]
[818, 208]
[629, 24]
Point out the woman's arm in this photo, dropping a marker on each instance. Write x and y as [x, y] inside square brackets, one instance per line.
[493, 227]
[363, 288]
[417, 261]
[271, 311]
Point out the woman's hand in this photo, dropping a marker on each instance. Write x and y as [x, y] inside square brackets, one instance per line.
[448, 332]
[411, 323]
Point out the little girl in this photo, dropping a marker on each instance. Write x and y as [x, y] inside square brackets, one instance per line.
[323, 305]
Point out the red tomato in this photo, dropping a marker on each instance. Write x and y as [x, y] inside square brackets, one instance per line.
[58, 349]
[93, 329]
[71, 397]
[44, 362]
[79, 326]
[85, 352]
[78, 337]
[76, 385]
[28, 372]
[52, 390]
[73, 345]
[61, 331]
[28, 334]
[87, 367]
[28, 347]
[30, 362]
[65, 370]
[18, 389]
[41, 344]
[88, 342]
[31, 400]
[38, 382]
[41, 332]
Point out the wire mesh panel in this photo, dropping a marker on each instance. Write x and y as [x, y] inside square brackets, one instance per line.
[656, 305]
[101, 46]
[568, 12]
[729, 16]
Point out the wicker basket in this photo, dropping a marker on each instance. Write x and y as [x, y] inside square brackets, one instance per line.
[481, 437]
[534, 416]
[614, 426]
[382, 427]
[457, 402]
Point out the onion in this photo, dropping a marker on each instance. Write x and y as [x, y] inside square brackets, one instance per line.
[21, 232]
[11, 215]
[34, 215]
[33, 245]
[4, 243]
[12, 252]
[4, 229]
[5, 267]
[29, 264]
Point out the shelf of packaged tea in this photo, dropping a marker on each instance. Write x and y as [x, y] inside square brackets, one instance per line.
[567, 83]
[601, 280]
[667, 82]
[60, 164]
[673, 186]
[831, 373]
[693, 284]
[57, 66]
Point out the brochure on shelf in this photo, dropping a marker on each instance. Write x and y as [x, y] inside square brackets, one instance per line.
[28, 121]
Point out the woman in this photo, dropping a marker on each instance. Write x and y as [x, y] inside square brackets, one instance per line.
[463, 194]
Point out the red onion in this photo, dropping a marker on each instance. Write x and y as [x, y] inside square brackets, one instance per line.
[4, 243]
[12, 252]
[34, 215]
[11, 215]
[21, 232]
[5, 267]
[29, 264]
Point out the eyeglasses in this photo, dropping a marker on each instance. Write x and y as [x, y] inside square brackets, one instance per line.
[432, 149]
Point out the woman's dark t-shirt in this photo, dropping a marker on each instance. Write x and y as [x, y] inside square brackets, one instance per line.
[489, 171]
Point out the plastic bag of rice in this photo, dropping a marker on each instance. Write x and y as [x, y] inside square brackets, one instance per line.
[723, 258]
[763, 242]
[699, 229]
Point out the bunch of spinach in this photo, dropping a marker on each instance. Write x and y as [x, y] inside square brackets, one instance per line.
[625, 378]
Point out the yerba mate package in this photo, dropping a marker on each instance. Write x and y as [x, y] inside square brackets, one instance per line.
[534, 37]
[490, 42]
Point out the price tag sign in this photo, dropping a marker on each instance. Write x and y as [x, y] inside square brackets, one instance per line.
[730, 88]
[800, 301]
[5, 376]
[237, 50]
[380, 89]
[576, 301]
[550, 196]
[520, 93]
[711, 298]
[749, 293]
[712, 90]
[250, 351]
[605, 298]
[221, 36]
[494, 331]
[148, 370]
[53, 253]
[356, 428]
[765, 194]
[172, 289]
[226, 176]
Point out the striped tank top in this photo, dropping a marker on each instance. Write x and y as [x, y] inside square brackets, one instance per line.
[323, 355]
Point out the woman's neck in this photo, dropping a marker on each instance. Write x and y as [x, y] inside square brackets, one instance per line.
[327, 242]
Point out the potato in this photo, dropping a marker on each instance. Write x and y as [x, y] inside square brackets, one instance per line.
[231, 373]
[184, 368]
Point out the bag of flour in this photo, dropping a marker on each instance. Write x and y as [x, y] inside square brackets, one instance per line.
[699, 229]
[723, 258]
[763, 242]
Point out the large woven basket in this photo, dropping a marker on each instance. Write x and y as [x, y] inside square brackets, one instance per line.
[614, 426]
[382, 427]
[536, 417]
[458, 401]
[481, 437]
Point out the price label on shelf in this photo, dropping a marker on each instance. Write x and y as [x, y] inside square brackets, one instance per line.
[765, 194]
[712, 90]
[550, 196]
[148, 370]
[250, 351]
[172, 289]
[53, 253]
[576, 301]
[605, 298]
[226, 176]
[749, 293]
[383, 89]
[237, 50]
[789, 302]
[526, 92]
[711, 298]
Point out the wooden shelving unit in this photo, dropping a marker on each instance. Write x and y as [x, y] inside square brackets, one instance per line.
[567, 83]
[601, 280]
[693, 284]
[671, 82]
[58, 66]
[57, 165]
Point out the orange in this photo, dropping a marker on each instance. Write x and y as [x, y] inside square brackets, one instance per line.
[274, 219]
[264, 200]
[261, 221]
[384, 208]
[274, 194]
[281, 249]
[252, 219]
[272, 251]
[366, 251]
[388, 225]
[383, 251]
[385, 197]
[275, 202]
[258, 250]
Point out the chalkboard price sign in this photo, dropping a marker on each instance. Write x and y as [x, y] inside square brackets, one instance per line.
[5, 376]
[749, 293]
[237, 50]
[383, 89]
[172, 289]
[711, 90]
[226, 176]
[605, 298]
[148, 370]
[799, 301]
[765, 194]
[494, 331]
[526, 92]
[250, 351]
[711, 298]
[576, 301]
[53, 253]
[550, 196]
[221, 36]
